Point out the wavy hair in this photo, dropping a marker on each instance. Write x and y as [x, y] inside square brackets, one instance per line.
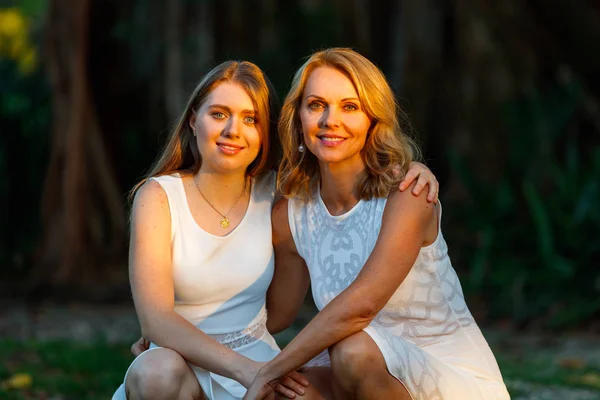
[387, 150]
[181, 151]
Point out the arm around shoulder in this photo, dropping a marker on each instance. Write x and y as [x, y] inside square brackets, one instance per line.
[291, 279]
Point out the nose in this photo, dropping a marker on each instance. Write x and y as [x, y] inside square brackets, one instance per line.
[232, 128]
[331, 117]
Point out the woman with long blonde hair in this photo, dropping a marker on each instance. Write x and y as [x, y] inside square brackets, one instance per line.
[201, 256]
[392, 321]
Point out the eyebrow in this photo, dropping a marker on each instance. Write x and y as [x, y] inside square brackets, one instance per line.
[224, 107]
[321, 98]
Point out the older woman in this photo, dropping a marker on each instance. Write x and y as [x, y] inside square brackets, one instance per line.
[392, 313]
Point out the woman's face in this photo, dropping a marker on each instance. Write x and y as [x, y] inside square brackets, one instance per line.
[334, 124]
[226, 127]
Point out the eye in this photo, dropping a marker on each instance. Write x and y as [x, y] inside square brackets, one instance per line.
[250, 120]
[219, 115]
[350, 107]
[315, 105]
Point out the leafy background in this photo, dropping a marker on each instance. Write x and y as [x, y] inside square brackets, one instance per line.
[504, 99]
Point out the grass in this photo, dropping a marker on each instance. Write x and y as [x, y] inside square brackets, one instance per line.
[69, 370]
[64, 370]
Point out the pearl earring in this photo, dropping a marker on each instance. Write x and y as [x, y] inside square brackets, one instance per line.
[301, 147]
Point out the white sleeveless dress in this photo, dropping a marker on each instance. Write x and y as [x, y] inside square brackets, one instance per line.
[428, 337]
[221, 282]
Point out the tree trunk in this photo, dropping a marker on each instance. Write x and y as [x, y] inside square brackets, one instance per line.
[83, 220]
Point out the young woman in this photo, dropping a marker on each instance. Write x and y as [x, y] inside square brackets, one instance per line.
[201, 256]
[392, 314]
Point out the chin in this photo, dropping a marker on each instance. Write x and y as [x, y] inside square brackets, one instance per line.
[227, 168]
[328, 156]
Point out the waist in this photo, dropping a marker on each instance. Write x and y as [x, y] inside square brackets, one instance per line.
[251, 334]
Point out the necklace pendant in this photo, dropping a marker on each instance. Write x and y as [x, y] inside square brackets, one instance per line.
[224, 223]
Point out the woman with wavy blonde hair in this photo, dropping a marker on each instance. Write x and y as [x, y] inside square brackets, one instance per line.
[392, 321]
[201, 256]
[387, 146]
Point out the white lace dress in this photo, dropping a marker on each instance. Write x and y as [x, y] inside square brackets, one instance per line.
[428, 337]
[221, 282]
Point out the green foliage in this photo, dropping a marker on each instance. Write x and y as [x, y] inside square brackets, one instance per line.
[24, 149]
[536, 228]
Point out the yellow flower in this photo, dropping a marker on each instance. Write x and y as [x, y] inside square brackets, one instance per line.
[12, 22]
[18, 381]
[14, 40]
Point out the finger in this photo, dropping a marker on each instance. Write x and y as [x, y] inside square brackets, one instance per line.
[409, 178]
[293, 385]
[298, 377]
[285, 391]
[421, 182]
[434, 188]
[136, 350]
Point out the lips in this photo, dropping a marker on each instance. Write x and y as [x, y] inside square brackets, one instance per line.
[229, 148]
[331, 140]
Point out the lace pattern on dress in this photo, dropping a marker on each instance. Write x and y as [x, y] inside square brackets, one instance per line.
[249, 335]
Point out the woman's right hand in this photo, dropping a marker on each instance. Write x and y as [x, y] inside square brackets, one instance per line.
[140, 346]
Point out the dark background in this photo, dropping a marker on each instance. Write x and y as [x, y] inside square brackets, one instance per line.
[504, 97]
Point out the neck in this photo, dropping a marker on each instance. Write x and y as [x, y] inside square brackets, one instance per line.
[221, 188]
[338, 186]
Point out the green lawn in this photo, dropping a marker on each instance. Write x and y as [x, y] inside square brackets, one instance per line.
[64, 370]
[67, 370]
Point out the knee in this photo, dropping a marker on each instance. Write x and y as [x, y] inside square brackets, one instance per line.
[354, 356]
[156, 375]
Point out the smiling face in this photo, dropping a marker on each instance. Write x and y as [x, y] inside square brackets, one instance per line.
[334, 124]
[227, 133]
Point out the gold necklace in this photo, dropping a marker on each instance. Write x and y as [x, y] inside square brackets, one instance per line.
[224, 220]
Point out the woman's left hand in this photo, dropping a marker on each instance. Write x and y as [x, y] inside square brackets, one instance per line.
[425, 177]
[289, 386]
[260, 389]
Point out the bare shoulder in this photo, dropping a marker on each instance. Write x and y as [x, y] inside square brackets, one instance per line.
[403, 205]
[150, 198]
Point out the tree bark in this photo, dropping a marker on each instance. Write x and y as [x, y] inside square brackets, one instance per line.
[83, 220]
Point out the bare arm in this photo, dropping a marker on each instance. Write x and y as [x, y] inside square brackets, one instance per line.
[291, 279]
[409, 223]
[150, 273]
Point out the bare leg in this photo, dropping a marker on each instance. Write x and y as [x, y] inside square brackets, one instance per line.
[359, 371]
[162, 374]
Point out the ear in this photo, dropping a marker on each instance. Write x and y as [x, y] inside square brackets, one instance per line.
[192, 121]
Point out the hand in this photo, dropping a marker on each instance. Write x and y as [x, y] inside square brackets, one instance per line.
[425, 177]
[260, 390]
[289, 386]
[140, 346]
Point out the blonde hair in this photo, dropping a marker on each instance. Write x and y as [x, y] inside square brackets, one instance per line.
[387, 146]
[181, 151]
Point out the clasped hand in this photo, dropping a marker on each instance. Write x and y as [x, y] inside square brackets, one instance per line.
[262, 389]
